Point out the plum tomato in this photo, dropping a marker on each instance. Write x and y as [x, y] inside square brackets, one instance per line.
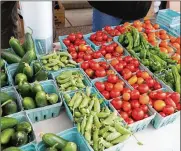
[168, 110]
[143, 88]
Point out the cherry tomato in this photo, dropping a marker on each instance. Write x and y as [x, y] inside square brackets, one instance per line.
[119, 49]
[81, 54]
[71, 37]
[73, 54]
[124, 115]
[150, 82]
[97, 55]
[126, 106]
[109, 72]
[106, 94]
[114, 62]
[109, 86]
[79, 60]
[137, 114]
[117, 103]
[87, 57]
[103, 51]
[175, 97]
[100, 86]
[126, 73]
[144, 108]
[109, 49]
[112, 78]
[126, 90]
[129, 121]
[66, 42]
[104, 65]
[131, 67]
[79, 35]
[145, 75]
[135, 104]
[126, 96]
[89, 72]
[144, 99]
[71, 49]
[100, 72]
[128, 59]
[143, 88]
[159, 105]
[94, 65]
[135, 62]
[157, 86]
[85, 65]
[168, 110]
[108, 56]
[152, 94]
[119, 67]
[114, 93]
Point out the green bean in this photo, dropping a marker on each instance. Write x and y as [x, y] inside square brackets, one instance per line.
[77, 120]
[89, 123]
[103, 114]
[67, 97]
[72, 62]
[77, 114]
[121, 129]
[63, 81]
[105, 143]
[65, 74]
[77, 102]
[104, 130]
[96, 139]
[120, 139]
[61, 64]
[107, 110]
[105, 134]
[83, 124]
[78, 127]
[91, 104]
[51, 64]
[48, 68]
[66, 85]
[110, 119]
[85, 102]
[64, 58]
[88, 136]
[97, 122]
[70, 65]
[84, 111]
[48, 56]
[112, 129]
[113, 136]
[55, 67]
[80, 85]
[72, 101]
[97, 107]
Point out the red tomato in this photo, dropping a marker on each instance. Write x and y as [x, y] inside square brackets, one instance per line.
[85, 65]
[105, 37]
[157, 86]
[100, 86]
[128, 59]
[131, 67]
[146, 115]
[144, 108]
[79, 35]
[114, 93]
[135, 104]
[135, 94]
[107, 28]
[108, 56]
[112, 78]
[97, 55]
[66, 42]
[126, 96]
[73, 54]
[81, 54]
[94, 65]
[143, 88]
[118, 67]
[103, 51]
[162, 114]
[129, 112]
[118, 86]
[87, 57]
[161, 95]
[178, 106]
[100, 72]
[89, 72]
[71, 49]
[126, 90]
[175, 97]
[116, 54]
[126, 73]
[71, 37]
[82, 48]
[109, 72]
[79, 60]
[114, 44]
[129, 121]
[135, 62]
[109, 48]
[137, 114]
[109, 86]
[99, 38]
[150, 82]
[104, 65]
[144, 99]
[126, 106]
[159, 105]
[168, 110]
[124, 115]
[93, 37]
[152, 94]
[169, 101]
[139, 73]
[106, 94]
[117, 103]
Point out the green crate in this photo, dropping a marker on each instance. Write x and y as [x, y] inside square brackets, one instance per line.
[47, 112]
[12, 92]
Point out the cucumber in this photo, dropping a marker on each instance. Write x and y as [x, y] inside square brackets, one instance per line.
[19, 138]
[41, 99]
[6, 135]
[10, 108]
[24, 126]
[12, 149]
[36, 66]
[10, 57]
[4, 97]
[51, 139]
[28, 103]
[70, 146]
[28, 71]
[8, 122]
[15, 45]
[27, 58]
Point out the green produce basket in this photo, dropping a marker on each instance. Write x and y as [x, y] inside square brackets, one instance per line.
[71, 135]
[85, 80]
[160, 121]
[29, 147]
[11, 91]
[47, 112]
[22, 116]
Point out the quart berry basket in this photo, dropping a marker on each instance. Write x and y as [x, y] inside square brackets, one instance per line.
[11, 91]
[71, 135]
[49, 111]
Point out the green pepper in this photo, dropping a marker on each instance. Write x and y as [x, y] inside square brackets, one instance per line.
[121, 38]
[178, 68]
[130, 41]
[145, 62]
[176, 78]
[136, 37]
[143, 54]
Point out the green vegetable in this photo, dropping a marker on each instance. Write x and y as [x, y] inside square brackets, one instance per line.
[52, 98]
[41, 75]
[121, 38]
[176, 78]
[10, 57]
[130, 41]
[19, 138]
[41, 99]
[28, 71]
[15, 45]
[8, 122]
[10, 108]
[105, 143]
[24, 126]
[4, 97]
[113, 136]
[6, 135]
[12, 149]
[70, 146]
[20, 77]
[36, 66]
[25, 89]
[28, 103]
[121, 129]
[36, 88]
[120, 139]
[89, 123]
[83, 125]
[96, 139]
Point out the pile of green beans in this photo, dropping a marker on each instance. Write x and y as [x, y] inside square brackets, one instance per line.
[57, 60]
[70, 80]
[101, 127]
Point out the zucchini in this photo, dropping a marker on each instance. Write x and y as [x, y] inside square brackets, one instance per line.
[10, 57]
[8, 122]
[15, 45]
[4, 97]
[12, 149]
[51, 140]
[19, 138]
[24, 126]
[27, 58]
[6, 135]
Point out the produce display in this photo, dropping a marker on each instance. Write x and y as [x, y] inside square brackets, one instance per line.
[14, 133]
[151, 57]
[96, 69]
[34, 95]
[8, 104]
[57, 143]
[70, 80]
[57, 60]
[4, 77]
[110, 87]
[101, 127]
[73, 40]
[100, 38]
[111, 51]
[83, 53]
[113, 31]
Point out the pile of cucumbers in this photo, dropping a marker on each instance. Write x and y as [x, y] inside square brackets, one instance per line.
[14, 133]
[34, 96]
[70, 80]
[57, 60]
[56, 143]
[18, 51]
[101, 127]
[4, 77]
[8, 104]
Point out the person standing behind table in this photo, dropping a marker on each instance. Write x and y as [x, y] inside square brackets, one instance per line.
[117, 12]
